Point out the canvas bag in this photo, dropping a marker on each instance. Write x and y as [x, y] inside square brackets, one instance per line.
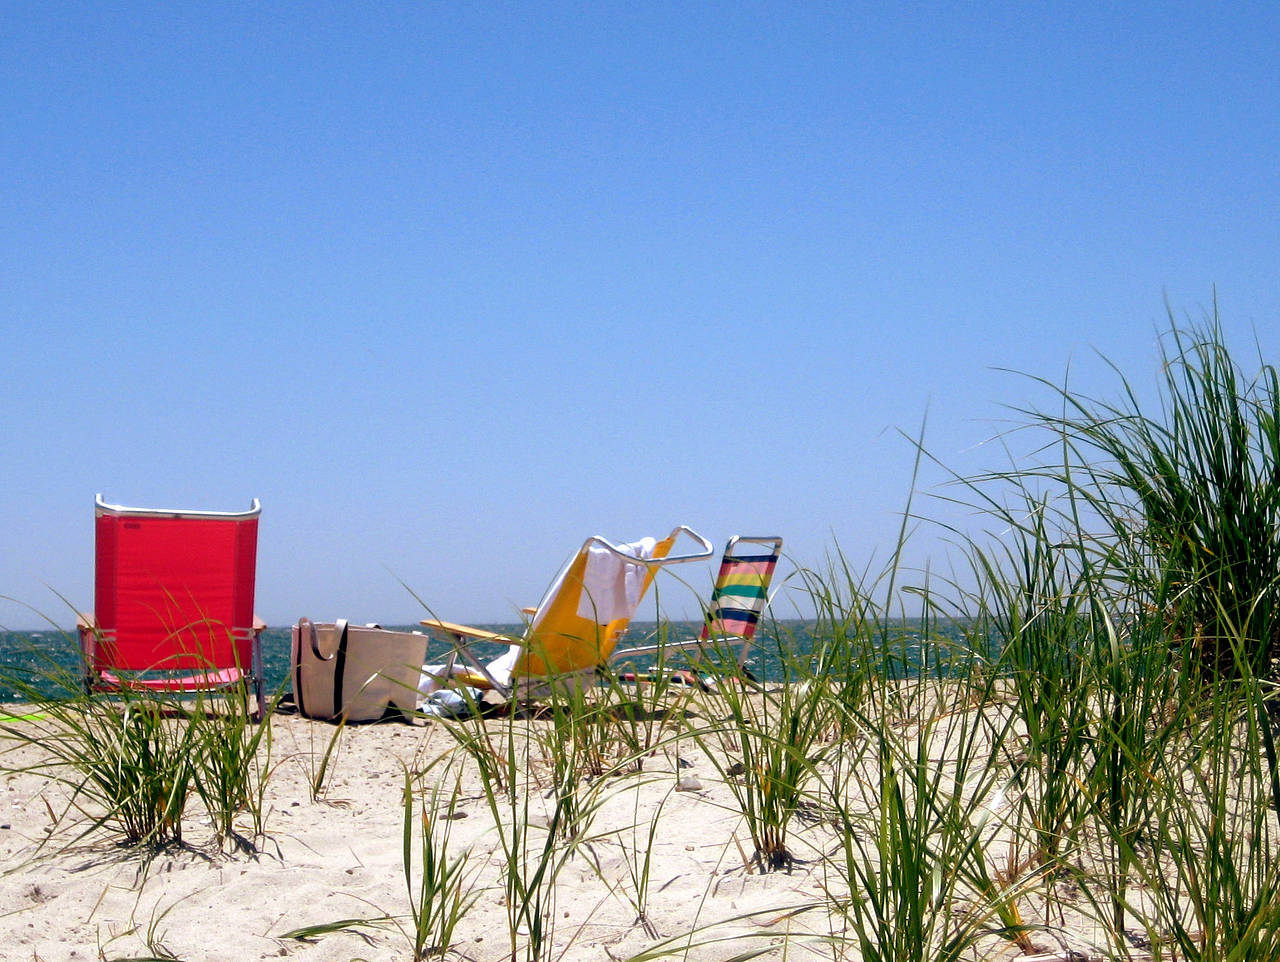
[345, 672]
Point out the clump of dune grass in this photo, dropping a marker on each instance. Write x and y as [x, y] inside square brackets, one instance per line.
[912, 877]
[233, 764]
[1090, 685]
[1129, 595]
[1186, 497]
[914, 781]
[131, 762]
[125, 767]
[581, 740]
[774, 737]
[440, 891]
[1036, 604]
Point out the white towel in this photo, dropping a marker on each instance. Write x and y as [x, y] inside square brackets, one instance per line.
[611, 586]
[501, 667]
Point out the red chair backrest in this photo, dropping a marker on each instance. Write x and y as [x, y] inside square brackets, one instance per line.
[174, 590]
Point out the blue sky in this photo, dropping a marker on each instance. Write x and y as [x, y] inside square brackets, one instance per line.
[450, 287]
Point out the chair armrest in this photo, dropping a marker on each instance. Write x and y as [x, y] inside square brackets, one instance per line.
[464, 631]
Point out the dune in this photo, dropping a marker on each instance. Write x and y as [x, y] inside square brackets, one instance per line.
[336, 855]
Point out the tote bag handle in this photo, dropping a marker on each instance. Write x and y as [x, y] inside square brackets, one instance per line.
[338, 656]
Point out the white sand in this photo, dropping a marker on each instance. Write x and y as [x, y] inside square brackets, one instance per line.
[340, 857]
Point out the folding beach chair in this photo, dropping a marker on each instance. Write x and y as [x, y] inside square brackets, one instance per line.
[173, 601]
[738, 600]
[578, 622]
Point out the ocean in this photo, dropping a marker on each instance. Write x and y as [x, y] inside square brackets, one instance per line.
[50, 660]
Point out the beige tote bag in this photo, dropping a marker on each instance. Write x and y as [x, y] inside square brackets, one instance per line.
[345, 672]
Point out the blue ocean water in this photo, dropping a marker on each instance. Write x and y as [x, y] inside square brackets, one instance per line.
[50, 660]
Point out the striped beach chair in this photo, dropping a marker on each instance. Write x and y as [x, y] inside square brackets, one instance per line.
[741, 593]
[738, 601]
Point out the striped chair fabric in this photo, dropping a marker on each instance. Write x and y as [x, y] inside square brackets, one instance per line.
[742, 588]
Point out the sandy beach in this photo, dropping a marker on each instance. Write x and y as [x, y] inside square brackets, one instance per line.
[339, 855]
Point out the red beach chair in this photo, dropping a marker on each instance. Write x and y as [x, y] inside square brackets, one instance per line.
[173, 601]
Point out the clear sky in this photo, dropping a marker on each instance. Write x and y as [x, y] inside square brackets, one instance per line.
[451, 286]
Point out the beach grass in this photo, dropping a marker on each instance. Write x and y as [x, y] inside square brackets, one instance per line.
[773, 738]
[438, 880]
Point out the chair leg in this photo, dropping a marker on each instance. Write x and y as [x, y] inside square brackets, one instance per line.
[256, 658]
[88, 646]
[461, 648]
